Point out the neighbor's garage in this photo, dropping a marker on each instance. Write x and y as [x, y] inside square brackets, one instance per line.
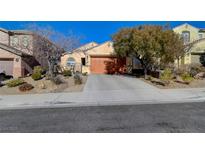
[6, 65]
[107, 65]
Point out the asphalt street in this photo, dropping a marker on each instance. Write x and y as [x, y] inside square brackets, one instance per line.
[158, 118]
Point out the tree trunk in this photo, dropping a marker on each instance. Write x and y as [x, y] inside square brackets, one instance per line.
[50, 69]
[145, 73]
[177, 63]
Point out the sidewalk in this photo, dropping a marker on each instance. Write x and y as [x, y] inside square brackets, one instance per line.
[101, 98]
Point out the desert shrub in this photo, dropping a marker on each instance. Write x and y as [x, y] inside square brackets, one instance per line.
[166, 75]
[186, 77]
[67, 73]
[25, 87]
[77, 79]
[149, 77]
[15, 82]
[36, 76]
[85, 73]
[57, 80]
[37, 73]
[38, 69]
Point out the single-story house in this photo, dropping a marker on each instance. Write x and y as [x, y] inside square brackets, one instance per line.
[93, 58]
[18, 54]
[97, 58]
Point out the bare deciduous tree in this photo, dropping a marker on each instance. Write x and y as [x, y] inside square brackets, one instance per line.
[49, 45]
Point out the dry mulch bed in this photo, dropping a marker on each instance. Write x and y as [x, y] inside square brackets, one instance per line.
[173, 84]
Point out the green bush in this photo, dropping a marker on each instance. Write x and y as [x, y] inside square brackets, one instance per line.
[187, 77]
[37, 73]
[85, 73]
[15, 82]
[166, 75]
[67, 73]
[36, 76]
[38, 69]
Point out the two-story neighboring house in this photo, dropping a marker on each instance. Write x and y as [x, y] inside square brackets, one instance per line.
[196, 37]
[18, 53]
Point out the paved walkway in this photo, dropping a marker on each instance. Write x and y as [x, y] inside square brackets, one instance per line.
[106, 90]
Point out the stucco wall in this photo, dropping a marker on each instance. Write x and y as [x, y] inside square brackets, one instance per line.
[104, 49]
[199, 46]
[4, 37]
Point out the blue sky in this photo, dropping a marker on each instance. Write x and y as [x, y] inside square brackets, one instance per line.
[98, 31]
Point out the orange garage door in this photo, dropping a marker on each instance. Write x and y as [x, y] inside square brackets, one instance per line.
[107, 65]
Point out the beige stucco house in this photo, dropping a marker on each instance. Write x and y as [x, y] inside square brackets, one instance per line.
[94, 58]
[196, 36]
[18, 53]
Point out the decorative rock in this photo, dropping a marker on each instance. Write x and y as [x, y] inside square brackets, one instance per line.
[179, 80]
[42, 85]
[200, 75]
[159, 82]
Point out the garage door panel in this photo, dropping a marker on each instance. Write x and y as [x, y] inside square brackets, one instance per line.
[7, 66]
[107, 65]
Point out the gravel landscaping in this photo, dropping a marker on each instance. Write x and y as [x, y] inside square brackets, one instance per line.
[174, 84]
[45, 86]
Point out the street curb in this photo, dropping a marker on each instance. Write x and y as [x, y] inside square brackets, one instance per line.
[100, 104]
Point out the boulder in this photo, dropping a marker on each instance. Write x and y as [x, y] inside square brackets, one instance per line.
[42, 85]
[200, 75]
[159, 82]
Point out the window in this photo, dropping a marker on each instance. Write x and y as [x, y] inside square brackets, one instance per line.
[186, 36]
[200, 36]
[83, 61]
[71, 61]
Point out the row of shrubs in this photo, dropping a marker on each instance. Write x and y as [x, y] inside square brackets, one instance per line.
[186, 73]
[23, 86]
[168, 75]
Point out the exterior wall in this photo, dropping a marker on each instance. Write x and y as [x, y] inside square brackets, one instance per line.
[17, 63]
[4, 37]
[105, 49]
[195, 59]
[199, 47]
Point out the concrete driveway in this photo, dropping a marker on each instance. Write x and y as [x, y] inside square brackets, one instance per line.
[115, 82]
